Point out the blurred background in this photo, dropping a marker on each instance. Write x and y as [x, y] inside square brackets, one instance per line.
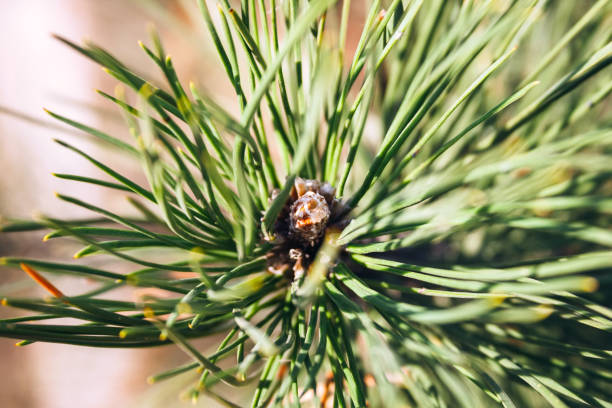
[38, 71]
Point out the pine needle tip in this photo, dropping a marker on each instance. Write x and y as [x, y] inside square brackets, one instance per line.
[197, 250]
[543, 311]
[590, 284]
[41, 280]
[497, 300]
[148, 312]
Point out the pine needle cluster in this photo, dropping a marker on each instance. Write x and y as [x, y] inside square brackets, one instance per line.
[465, 152]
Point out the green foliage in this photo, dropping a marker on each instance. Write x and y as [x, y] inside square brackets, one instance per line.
[475, 268]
